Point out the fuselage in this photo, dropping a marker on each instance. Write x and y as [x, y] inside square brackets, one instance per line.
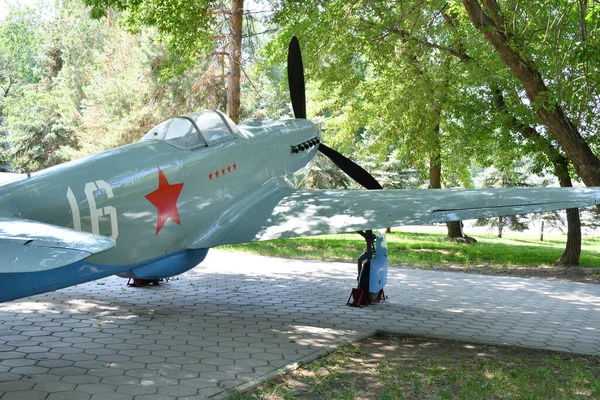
[110, 193]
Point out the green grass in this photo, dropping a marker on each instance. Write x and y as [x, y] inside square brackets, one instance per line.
[421, 368]
[428, 249]
[554, 378]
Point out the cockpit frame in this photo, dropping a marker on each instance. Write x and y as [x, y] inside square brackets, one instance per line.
[223, 131]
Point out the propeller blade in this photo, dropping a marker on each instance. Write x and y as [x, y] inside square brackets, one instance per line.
[353, 170]
[296, 79]
[298, 96]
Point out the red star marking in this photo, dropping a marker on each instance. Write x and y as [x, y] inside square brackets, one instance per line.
[229, 168]
[234, 166]
[165, 200]
[217, 173]
[210, 177]
[223, 171]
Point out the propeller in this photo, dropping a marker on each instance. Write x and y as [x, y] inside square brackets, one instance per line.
[354, 171]
[296, 79]
[297, 94]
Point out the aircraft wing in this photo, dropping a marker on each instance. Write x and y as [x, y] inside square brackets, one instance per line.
[32, 246]
[289, 212]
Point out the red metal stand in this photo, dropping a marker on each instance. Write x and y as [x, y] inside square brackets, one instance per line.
[134, 282]
[380, 297]
[360, 298]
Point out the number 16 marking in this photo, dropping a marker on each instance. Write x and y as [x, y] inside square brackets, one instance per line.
[95, 213]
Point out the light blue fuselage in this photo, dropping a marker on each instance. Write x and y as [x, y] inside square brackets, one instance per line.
[262, 158]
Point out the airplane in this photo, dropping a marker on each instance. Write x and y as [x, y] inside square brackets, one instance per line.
[154, 208]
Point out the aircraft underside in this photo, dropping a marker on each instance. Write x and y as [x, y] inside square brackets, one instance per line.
[16, 285]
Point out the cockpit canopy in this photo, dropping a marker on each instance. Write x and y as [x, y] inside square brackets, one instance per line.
[200, 129]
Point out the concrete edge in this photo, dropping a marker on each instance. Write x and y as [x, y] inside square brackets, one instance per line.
[480, 341]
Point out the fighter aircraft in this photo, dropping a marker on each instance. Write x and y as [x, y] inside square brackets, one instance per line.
[153, 209]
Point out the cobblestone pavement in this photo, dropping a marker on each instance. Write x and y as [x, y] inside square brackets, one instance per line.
[238, 319]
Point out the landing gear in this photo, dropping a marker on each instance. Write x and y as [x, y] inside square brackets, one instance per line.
[136, 282]
[372, 271]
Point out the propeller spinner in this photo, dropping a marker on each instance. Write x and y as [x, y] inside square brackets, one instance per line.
[297, 94]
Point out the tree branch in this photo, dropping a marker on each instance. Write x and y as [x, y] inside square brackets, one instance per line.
[447, 49]
[493, 9]
[260, 33]
[549, 110]
[10, 83]
[558, 161]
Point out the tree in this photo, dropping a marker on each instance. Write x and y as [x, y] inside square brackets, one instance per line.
[551, 220]
[31, 131]
[377, 89]
[511, 222]
[94, 84]
[188, 28]
[523, 32]
[514, 32]
[19, 67]
[444, 27]
[235, 60]
[39, 132]
[560, 167]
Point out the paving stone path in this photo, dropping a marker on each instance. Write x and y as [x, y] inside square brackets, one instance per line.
[238, 319]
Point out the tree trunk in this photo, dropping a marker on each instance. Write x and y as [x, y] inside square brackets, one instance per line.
[500, 226]
[542, 232]
[435, 169]
[455, 231]
[490, 23]
[559, 125]
[573, 248]
[561, 171]
[235, 56]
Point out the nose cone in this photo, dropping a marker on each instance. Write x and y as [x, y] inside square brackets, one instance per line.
[286, 147]
[304, 142]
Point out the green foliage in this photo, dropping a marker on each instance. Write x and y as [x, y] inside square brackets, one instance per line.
[20, 68]
[19, 40]
[418, 76]
[325, 175]
[505, 174]
[92, 85]
[381, 86]
[39, 132]
[4, 146]
[186, 26]
[393, 173]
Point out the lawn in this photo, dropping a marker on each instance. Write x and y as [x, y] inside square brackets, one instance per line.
[426, 249]
[402, 367]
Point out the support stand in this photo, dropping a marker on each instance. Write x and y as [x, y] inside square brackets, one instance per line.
[137, 282]
[360, 296]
